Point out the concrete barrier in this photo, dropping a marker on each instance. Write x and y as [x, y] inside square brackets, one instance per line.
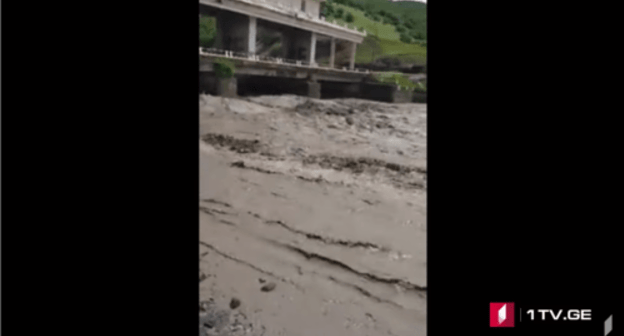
[227, 87]
[207, 83]
[419, 97]
[401, 96]
[246, 85]
[314, 89]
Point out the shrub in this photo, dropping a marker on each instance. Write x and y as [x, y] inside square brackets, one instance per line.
[417, 35]
[224, 68]
[349, 17]
[405, 38]
[400, 79]
[400, 29]
[390, 61]
[372, 43]
[329, 10]
[339, 13]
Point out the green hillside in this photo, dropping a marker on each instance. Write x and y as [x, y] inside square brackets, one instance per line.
[411, 16]
[389, 36]
[385, 31]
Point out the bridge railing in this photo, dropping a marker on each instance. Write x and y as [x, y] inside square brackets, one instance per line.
[289, 10]
[269, 59]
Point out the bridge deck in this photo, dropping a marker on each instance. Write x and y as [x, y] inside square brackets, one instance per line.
[266, 66]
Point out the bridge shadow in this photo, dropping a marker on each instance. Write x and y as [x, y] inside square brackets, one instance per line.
[252, 85]
[265, 85]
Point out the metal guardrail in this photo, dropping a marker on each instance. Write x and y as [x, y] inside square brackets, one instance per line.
[268, 59]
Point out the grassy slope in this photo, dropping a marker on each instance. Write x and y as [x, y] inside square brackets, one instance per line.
[389, 40]
[414, 10]
[384, 31]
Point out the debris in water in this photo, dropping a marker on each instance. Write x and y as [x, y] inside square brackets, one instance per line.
[234, 303]
[268, 287]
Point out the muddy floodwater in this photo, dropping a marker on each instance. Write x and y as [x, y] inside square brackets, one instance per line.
[312, 217]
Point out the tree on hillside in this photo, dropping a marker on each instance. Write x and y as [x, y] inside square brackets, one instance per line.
[339, 13]
[373, 43]
[349, 18]
[417, 35]
[329, 10]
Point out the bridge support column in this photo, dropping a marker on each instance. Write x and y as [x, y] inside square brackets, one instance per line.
[402, 96]
[227, 87]
[251, 44]
[312, 56]
[352, 59]
[332, 52]
[314, 89]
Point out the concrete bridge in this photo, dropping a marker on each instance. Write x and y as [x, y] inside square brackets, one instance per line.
[295, 70]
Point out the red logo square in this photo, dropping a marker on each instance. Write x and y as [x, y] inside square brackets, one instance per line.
[502, 314]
